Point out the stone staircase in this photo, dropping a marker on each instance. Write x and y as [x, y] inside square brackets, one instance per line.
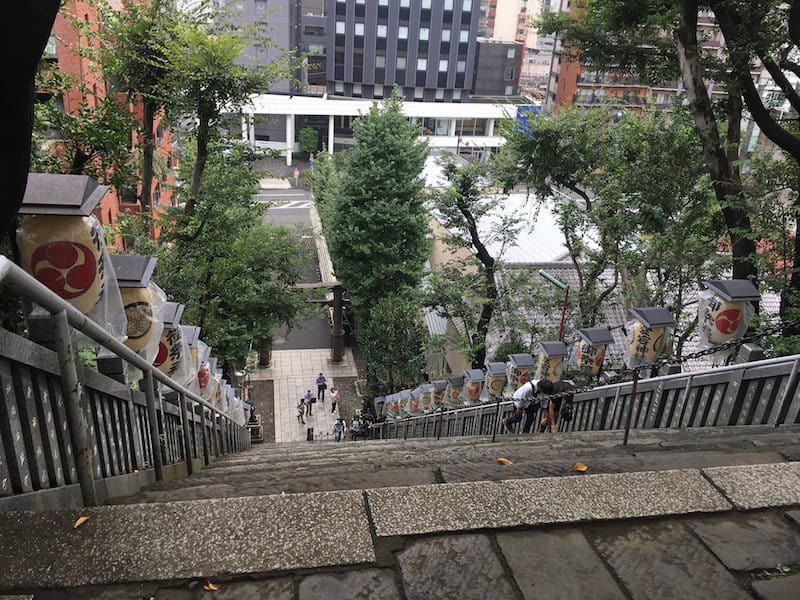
[670, 514]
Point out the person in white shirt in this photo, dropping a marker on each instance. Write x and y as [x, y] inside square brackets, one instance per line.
[523, 397]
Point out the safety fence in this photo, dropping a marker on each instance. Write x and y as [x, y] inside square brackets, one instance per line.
[756, 393]
[70, 436]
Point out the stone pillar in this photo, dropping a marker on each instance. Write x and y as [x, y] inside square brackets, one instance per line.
[337, 334]
[330, 134]
[451, 129]
[245, 127]
[251, 129]
[489, 127]
[289, 139]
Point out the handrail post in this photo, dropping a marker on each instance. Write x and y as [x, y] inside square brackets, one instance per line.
[496, 422]
[630, 407]
[155, 430]
[187, 442]
[206, 457]
[441, 416]
[76, 412]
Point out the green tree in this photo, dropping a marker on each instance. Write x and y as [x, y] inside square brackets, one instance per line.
[237, 276]
[325, 184]
[377, 231]
[661, 40]
[468, 291]
[308, 139]
[641, 205]
[391, 340]
[134, 57]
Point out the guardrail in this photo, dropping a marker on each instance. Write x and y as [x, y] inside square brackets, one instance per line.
[757, 393]
[63, 426]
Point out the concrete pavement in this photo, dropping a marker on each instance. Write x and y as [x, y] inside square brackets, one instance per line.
[293, 372]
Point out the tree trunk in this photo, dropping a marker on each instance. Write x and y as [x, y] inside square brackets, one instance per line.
[724, 174]
[148, 147]
[24, 30]
[203, 137]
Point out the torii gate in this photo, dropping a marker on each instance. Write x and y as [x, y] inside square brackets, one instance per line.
[337, 303]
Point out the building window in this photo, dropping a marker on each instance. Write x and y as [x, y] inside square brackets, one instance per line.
[439, 94]
[380, 62]
[443, 64]
[422, 64]
[359, 29]
[359, 1]
[511, 53]
[339, 26]
[418, 93]
[461, 66]
[467, 6]
[338, 87]
[509, 90]
[402, 32]
[445, 35]
[424, 33]
[378, 91]
[456, 94]
[448, 4]
[357, 88]
[381, 31]
[401, 62]
[510, 74]
[426, 3]
[383, 2]
[405, 3]
[464, 35]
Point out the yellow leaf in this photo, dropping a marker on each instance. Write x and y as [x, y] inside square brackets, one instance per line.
[579, 466]
[210, 587]
[503, 461]
[80, 522]
[300, 469]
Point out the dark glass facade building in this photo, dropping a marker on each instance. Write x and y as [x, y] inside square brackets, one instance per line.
[427, 48]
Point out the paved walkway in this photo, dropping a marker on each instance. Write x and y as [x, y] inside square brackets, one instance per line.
[293, 372]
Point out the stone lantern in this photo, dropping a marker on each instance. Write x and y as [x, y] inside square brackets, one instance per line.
[550, 364]
[427, 397]
[648, 334]
[140, 300]
[520, 367]
[474, 380]
[170, 355]
[495, 378]
[591, 349]
[379, 402]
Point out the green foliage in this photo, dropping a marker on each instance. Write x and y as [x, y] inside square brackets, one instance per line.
[377, 230]
[467, 290]
[94, 140]
[392, 340]
[325, 185]
[308, 139]
[237, 275]
[641, 206]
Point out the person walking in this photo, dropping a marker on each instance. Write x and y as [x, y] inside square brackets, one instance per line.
[355, 427]
[334, 399]
[338, 428]
[322, 385]
[522, 397]
[309, 399]
[553, 407]
[301, 410]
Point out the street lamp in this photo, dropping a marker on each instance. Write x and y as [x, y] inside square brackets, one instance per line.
[561, 285]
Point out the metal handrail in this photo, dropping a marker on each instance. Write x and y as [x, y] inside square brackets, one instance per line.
[65, 315]
[14, 275]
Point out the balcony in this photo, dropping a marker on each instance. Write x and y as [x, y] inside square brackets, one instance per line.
[609, 79]
[585, 100]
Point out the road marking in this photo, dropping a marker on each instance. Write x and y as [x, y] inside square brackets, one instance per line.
[291, 204]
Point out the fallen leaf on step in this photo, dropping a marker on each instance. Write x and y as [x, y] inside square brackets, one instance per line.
[283, 493]
[503, 461]
[80, 522]
[300, 469]
[210, 587]
[579, 466]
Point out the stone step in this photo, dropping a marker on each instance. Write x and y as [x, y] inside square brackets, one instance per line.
[422, 462]
[259, 537]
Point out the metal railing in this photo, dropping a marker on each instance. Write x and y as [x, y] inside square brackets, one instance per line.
[757, 393]
[62, 424]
